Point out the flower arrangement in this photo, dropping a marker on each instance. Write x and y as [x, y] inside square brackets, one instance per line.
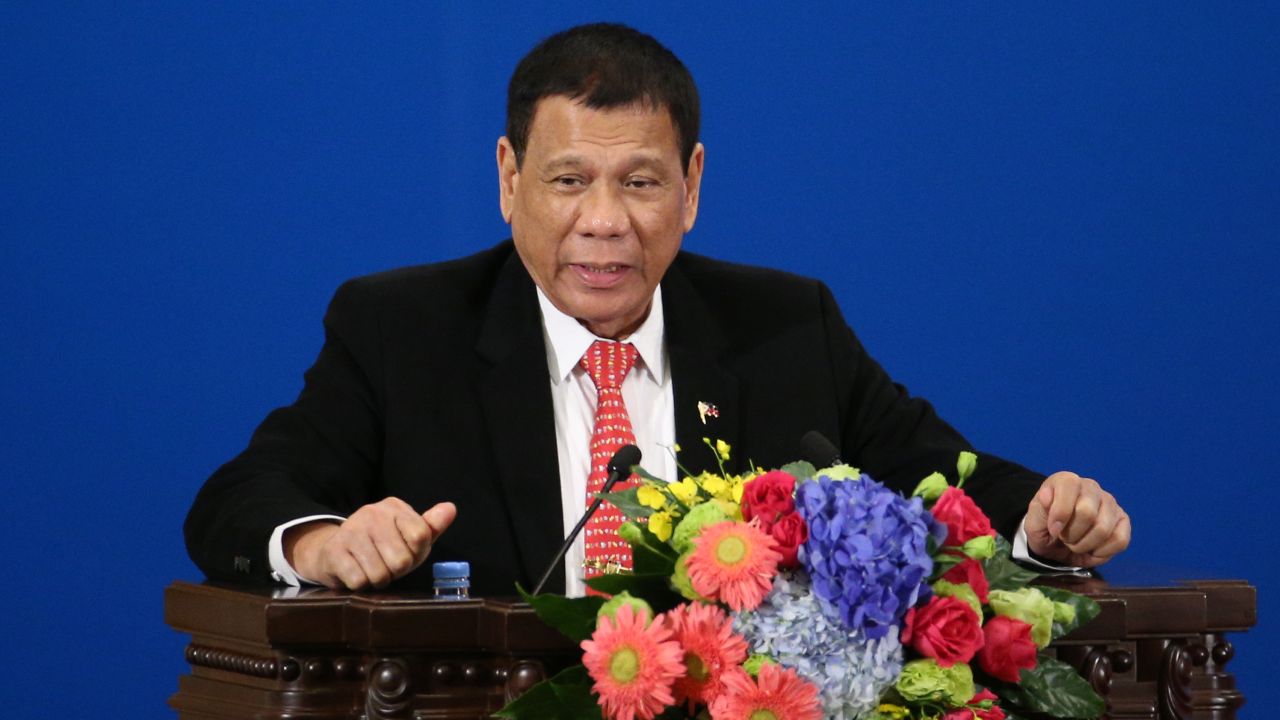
[801, 594]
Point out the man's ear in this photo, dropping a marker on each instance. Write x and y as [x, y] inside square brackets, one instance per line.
[508, 177]
[692, 186]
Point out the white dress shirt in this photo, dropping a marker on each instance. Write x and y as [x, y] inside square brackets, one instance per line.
[646, 391]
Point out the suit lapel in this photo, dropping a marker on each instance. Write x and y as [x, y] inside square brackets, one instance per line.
[515, 394]
[696, 348]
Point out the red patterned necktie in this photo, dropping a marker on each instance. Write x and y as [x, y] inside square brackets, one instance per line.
[607, 363]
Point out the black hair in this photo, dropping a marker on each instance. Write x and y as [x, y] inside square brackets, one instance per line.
[603, 65]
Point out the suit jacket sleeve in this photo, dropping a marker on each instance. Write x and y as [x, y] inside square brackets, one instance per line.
[319, 455]
[899, 439]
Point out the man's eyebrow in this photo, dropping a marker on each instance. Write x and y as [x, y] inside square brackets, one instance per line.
[565, 162]
[645, 161]
[638, 161]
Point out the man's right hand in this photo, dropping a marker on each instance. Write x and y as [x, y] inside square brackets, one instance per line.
[377, 544]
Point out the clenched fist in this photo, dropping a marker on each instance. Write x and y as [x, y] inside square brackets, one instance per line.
[1072, 520]
[377, 544]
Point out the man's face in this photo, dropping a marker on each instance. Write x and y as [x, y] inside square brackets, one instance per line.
[598, 208]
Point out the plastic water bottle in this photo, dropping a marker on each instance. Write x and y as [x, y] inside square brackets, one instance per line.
[452, 580]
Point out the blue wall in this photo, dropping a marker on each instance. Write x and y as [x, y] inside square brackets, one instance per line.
[1059, 222]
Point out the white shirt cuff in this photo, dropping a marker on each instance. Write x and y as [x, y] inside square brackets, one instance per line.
[1022, 554]
[281, 570]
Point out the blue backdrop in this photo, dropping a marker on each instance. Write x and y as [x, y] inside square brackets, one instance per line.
[1058, 222]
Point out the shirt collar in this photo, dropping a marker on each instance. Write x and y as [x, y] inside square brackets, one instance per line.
[567, 340]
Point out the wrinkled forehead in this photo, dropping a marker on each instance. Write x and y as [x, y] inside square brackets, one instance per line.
[563, 128]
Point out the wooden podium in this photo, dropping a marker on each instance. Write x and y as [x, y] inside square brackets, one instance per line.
[1153, 652]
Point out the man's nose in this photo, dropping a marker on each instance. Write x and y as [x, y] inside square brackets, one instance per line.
[603, 213]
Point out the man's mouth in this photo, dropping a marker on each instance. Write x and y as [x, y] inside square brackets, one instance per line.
[600, 276]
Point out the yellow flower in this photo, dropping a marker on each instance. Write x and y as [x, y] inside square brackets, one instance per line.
[892, 711]
[686, 491]
[722, 448]
[651, 497]
[660, 525]
[737, 491]
[717, 487]
[676, 447]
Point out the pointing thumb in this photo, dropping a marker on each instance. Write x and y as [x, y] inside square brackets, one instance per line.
[439, 517]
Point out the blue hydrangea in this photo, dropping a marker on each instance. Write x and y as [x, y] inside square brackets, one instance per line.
[850, 669]
[867, 554]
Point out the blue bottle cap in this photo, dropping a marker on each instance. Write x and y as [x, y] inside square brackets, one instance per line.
[451, 570]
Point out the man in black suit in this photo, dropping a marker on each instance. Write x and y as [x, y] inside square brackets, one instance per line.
[449, 395]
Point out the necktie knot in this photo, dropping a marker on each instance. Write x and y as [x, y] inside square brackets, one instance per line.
[608, 362]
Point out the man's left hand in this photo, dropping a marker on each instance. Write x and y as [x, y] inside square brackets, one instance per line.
[1073, 521]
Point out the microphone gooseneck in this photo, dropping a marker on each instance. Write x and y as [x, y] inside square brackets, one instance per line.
[619, 467]
[817, 449]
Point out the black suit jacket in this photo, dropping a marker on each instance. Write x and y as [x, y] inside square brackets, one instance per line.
[432, 385]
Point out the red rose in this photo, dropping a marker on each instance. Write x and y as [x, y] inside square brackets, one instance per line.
[992, 713]
[769, 497]
[790, 532]
[963, 518]
[1008, 649]
[946, 629]
[970, 572]
[970, 711]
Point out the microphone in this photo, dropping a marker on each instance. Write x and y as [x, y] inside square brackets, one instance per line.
[619, 467]
[817, 449]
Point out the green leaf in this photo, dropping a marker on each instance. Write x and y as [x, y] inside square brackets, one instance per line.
[626, 502]
[1054, 688]
[942, 562]
[931, 546]
[573, 690]
[1002, 572]
[1086, 609]
[645, 474]
[538, 701]
[654, 544]
[654, 557]
[575, 618]
[800, 469]
[655, 589]
[567, 696]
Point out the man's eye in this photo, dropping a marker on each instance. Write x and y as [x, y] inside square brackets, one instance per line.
[568, 181]
[641, 183]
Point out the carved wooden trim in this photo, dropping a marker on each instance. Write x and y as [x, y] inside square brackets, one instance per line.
[1121, 660]
[230, 661]
[1096, 668]
[1222, 652]
[1154, 653]
[1174, 689]
[390, 690]
[522, 675]
[1214, 695]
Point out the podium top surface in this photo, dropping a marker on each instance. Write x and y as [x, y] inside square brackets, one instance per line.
[281, 616]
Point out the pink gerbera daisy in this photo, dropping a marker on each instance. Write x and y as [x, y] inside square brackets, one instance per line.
[733, 562]
[711, 647]
[633, 665]
[780, 694]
